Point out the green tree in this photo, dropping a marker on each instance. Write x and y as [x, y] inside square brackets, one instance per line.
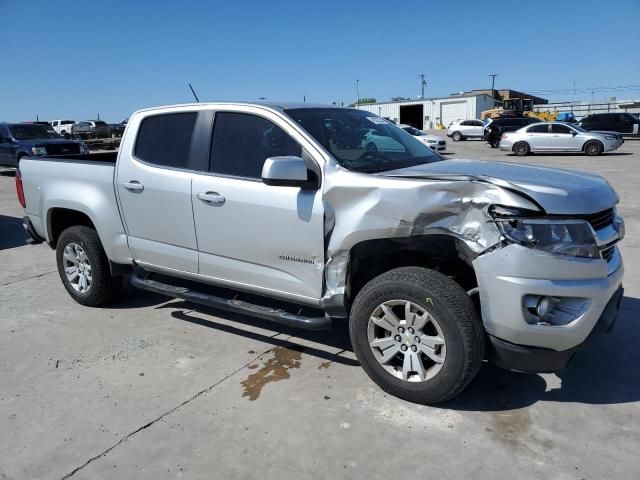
[364, 101]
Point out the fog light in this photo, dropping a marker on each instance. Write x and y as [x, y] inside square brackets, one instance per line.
[545, 304]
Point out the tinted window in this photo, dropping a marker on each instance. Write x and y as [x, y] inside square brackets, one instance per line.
[477, 123]
[538, 129]
[241, 143]
[557, 128]
[166, 139]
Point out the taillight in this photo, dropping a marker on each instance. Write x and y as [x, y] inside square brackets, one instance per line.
[19, 189]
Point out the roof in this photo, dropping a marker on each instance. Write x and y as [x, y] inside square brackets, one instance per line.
[429, 99]
[271, 104]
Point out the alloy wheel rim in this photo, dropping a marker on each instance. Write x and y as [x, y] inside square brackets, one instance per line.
[406, 340]
[77, 267]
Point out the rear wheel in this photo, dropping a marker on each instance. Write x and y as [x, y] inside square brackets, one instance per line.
[84, 268]
[593, 148]
[416, 334]
[521, 149]
[456, 136]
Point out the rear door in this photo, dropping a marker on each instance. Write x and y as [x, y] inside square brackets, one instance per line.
[250, 234]
[539, 137]
[153, 182]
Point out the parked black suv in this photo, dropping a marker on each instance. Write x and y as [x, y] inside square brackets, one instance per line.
[624, 123]
[494, 130]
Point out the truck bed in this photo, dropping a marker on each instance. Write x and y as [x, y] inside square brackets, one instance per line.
[82, 183]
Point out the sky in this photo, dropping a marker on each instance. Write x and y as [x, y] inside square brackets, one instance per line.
[80, 59]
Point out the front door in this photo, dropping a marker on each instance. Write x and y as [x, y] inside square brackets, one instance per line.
[539, 137]
[267, 238]
[563, 138]
[154, 189]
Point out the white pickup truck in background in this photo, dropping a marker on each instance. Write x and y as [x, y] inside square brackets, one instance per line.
[285, 212]
[70, 128]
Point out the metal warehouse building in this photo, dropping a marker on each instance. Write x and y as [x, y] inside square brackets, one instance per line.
[427, 113]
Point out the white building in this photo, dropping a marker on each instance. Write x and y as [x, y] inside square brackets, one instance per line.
[427, 113]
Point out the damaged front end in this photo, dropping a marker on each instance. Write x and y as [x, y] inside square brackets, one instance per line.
[404, 208]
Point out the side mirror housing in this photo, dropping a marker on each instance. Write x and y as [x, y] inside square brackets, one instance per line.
[288, 171]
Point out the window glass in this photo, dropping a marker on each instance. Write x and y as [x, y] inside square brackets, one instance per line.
[242, 142]
[477, 123]
[166, 139]
[538, 129]
[466, 123]
[361, 141]
[557, 128]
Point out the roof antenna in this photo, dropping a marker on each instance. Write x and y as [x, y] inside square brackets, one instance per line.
[194, 93]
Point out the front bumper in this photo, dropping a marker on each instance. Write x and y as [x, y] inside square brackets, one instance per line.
[611, 145]
[507, 275]
[543, 360]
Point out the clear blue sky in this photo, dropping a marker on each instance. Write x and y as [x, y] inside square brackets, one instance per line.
[77, 59]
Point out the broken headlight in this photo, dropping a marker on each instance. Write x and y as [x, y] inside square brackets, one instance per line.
[572, 238]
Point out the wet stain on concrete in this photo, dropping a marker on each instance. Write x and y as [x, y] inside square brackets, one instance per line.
[274, 369]
[510, 426]
[324, 365]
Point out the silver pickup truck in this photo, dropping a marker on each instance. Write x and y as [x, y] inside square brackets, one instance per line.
[289, 212]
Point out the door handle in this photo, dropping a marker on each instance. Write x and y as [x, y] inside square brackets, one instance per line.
[211, 198]
[134, 186]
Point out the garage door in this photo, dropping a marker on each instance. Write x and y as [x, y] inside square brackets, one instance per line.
[452, 111]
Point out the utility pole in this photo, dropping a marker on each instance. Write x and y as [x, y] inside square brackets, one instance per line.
[493, 84]
[574, 95]
[358, 93]
[423, 83]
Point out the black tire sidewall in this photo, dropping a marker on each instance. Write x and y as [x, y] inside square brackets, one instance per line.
[593, 154]
[439, 387]
[102, 284]
[456, 136]
[525, 152]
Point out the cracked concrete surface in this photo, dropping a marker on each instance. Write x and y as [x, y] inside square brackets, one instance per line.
[153, 388]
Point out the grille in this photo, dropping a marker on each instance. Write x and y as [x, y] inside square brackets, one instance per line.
[607, 253]
[442, 142]
[601, 219]
[62, 148]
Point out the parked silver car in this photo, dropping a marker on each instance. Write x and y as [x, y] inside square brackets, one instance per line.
[434, 142]
[559, 137]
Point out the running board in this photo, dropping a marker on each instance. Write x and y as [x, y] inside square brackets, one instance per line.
[276, 315]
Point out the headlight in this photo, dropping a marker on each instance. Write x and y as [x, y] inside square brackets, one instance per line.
[38, 150]
[431, 141]
[610, 137]
[572, 238]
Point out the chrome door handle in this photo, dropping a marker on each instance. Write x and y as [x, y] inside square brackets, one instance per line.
[211, 198]
[134, 186]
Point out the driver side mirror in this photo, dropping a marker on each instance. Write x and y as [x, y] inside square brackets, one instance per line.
[288, 171]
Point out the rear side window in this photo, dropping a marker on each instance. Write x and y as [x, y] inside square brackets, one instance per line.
[538, 129]
[242, 142]
[165, 140]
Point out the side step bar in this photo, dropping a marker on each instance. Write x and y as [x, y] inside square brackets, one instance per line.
[232, 305]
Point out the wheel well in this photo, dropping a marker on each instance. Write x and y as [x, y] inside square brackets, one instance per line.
[60, 219]
[443, 253]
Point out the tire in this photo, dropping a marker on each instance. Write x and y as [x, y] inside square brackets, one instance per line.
[456, 136]
[83, 245]
[429, 294]
[371, 147]
[593, 148]
[521, 149]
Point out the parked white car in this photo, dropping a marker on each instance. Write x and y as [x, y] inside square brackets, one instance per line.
[374, 142]
[434, 142]
[69, 127]
[559, 137]
[463, 129]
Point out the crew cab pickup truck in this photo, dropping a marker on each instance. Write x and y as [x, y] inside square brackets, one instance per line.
[435, 264]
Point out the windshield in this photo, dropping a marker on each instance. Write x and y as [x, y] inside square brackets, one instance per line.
[23, 132]
[361, 141]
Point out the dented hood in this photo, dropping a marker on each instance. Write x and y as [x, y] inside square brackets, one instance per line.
[557, 191]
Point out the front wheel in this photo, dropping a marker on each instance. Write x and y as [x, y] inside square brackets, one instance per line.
[456, 136]
[417, 335]
[593, 148]
[84, 268]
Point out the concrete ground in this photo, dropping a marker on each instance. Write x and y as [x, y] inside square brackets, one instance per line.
[157, 388]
